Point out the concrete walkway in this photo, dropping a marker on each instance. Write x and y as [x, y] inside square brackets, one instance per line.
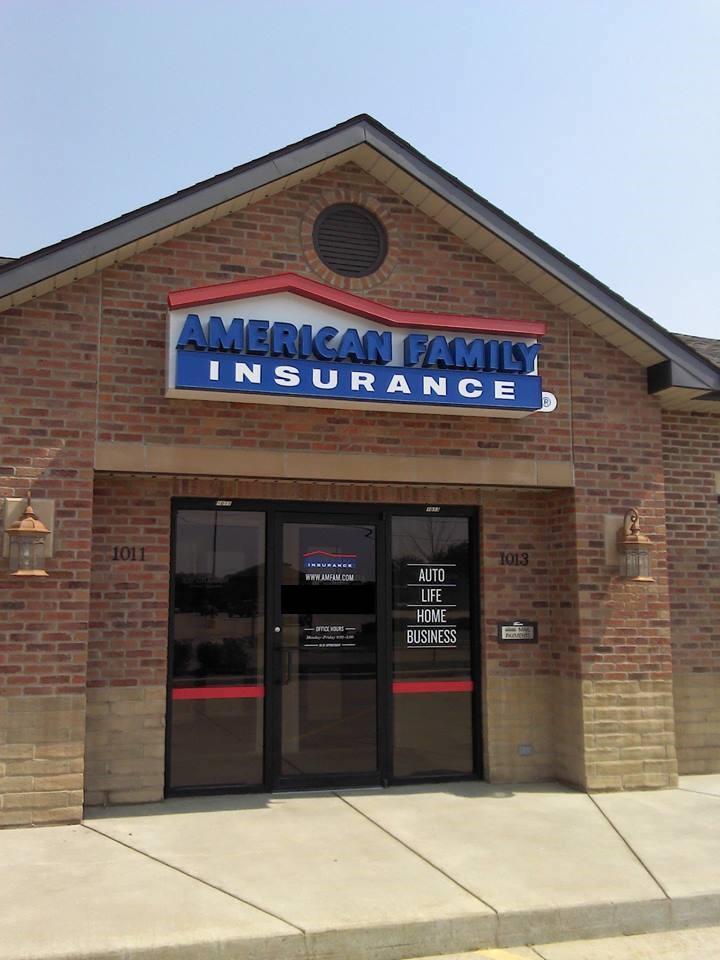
[700, 943]
[381, 874]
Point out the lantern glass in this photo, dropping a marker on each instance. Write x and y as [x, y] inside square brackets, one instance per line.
[635, 562]
[27, 555]
[632, 562]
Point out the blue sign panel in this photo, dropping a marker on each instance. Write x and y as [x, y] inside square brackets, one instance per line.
[281, 377]
[278, 358]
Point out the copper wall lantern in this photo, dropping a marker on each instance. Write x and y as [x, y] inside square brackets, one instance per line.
[633, 549]
[27, 538]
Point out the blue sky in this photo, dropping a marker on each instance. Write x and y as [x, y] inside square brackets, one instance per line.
[595, 124]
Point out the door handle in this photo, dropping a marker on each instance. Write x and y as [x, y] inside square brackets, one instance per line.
[287, 663]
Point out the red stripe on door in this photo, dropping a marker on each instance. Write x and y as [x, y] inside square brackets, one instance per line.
[218, 693]
[432, 686]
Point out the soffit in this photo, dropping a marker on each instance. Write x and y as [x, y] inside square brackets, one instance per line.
[684, 399]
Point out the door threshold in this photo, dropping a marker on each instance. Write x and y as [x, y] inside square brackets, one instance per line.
[375, 787]
[301, 792]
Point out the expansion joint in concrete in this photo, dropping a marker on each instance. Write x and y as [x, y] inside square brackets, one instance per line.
[193, 876]
[432, 865]
[627, 843]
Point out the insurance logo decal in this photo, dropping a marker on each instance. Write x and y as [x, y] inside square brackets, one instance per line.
[325, 560]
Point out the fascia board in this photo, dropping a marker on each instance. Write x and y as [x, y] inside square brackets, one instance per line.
[669, 373]
[682, 371]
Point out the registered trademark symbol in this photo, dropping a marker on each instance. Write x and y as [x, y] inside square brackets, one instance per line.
[549, 402]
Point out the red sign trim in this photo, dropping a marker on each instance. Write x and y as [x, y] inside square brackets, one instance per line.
[350, 303]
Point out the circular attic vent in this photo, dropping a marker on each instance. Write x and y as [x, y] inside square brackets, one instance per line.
[350, 240]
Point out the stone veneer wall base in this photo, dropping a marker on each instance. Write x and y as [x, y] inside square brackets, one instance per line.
[697, 722]
[569, 766]
[41, 759]
[125, 748]
[629, 734]
[518, 745]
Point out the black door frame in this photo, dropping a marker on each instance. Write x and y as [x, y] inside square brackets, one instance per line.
[279, 511]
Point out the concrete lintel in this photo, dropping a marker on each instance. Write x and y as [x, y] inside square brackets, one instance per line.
[344, 467]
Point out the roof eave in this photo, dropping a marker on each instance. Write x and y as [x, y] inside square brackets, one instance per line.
[670, 373]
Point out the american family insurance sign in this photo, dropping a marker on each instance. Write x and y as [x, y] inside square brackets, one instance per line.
[287, 339]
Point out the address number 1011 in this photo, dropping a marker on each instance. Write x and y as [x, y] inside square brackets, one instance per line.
[129, 553]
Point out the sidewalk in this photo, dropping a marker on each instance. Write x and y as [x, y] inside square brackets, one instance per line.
[398, 873]
[698, 943]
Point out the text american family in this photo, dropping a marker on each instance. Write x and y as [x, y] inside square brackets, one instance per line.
[252, 354]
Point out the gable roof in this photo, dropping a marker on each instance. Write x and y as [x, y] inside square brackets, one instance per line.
[681, 376]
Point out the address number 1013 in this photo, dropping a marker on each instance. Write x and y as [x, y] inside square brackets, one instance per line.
[514, 559]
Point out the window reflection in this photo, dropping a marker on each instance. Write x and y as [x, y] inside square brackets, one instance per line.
[218, 629]
[329, 649]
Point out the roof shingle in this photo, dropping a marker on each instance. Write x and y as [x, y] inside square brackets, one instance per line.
[710, 349]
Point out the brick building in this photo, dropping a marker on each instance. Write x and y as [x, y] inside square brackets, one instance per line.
[334, 455]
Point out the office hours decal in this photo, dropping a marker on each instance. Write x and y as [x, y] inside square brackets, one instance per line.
[329, 565]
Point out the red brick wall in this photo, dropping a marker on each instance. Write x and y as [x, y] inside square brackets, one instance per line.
[48, 370]
[434, 271]
[517, 523]
[562, 560]
[692, 463]
[605, 422]
[130, 599]
[617, 456]
[624, 627]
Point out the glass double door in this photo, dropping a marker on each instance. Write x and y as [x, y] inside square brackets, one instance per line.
[318, 647]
